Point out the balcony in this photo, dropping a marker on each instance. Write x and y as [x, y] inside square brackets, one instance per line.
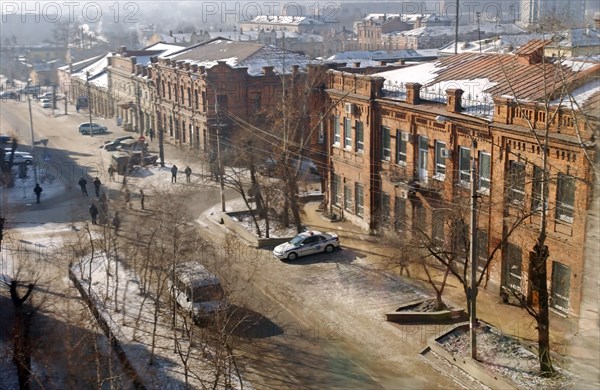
[402, 176]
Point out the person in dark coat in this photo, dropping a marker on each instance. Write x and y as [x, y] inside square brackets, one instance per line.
[151, 134]
[128, 198]
[97, 184]
[38, 191]
[142, 198]
[94, 213]
[83, 185]
[111, 172]
[116, 222]
[188, 173]
[174, 170]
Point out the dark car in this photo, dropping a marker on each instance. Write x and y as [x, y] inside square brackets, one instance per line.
[8, 95]
[5, 139]
[114, 145]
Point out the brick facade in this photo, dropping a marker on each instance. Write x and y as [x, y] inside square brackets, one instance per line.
[403, 182]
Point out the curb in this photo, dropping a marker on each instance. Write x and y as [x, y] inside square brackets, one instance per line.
[128, 367]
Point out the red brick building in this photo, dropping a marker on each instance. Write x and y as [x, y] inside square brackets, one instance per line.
[239, 78]
[400, 154]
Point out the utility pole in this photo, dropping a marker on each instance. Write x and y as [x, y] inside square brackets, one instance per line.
[87, 80]
[456, 27]
[32, 139]
[478, 14]
[219, 159]
[473, 255]
[159, 122]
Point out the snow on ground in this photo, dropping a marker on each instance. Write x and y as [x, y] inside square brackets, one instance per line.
[504, 355]
[131, 318]
[22, 192]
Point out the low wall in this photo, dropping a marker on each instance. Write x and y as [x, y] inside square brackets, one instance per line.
[128, 367]
[470, 366]
[404, 316]
[251, 238]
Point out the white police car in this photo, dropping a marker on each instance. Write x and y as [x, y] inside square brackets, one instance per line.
[307, 243]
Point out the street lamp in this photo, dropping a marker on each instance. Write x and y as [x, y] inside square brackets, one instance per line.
[32, 135]
[472, 290]
[87, 80]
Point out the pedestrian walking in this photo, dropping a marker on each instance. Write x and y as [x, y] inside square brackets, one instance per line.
[124, 186]
[128, 198]
[142, 198]
[111, 173]
[151, 133]
[38, 191]
[188, 174]
[83, 185]
[116, 222]
[97, 184]
[174, 170]
[93, 213]
[77, 107]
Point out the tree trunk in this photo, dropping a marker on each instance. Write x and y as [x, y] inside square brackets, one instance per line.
[539, 288]
[21, 343]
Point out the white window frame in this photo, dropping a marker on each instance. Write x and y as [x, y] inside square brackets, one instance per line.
[360, 140]
[336, 131]
[485, 179]
[440, 161]
[383, 148]
[564, 209]
[347, 133]
[401, 145]
[464, 172]
[359, 195]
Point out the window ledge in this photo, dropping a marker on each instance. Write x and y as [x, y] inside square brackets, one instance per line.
[439, 177]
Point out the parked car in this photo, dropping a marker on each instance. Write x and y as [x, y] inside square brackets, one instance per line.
[31, 90]
[307, 243]
[45, 103]
[197, 291]
[84, 128]
[19, 158]
[5, 139]
[47, 95]
[8, 95]
[113, 145]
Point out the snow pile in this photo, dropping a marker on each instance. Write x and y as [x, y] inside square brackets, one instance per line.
[505, 356]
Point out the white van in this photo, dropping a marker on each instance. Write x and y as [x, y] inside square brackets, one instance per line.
[197, 291]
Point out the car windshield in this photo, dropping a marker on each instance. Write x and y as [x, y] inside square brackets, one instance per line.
[297, 240]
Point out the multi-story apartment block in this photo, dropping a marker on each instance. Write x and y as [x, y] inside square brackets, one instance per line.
[402, 143]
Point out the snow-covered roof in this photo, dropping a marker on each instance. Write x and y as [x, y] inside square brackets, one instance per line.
[484, 28]
[409, 18]
[579, 37]
[483, 76]
[380, 55]
[503, 44]
[97, 72]
[291, 20]
[253, 56]
[166, 48]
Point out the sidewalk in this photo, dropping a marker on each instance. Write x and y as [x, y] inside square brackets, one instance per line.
[509, 319]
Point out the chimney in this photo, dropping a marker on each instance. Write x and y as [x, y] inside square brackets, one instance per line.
[268, 71]
[454, 97]
[149, 72]
[180, 64]
[413, 93]
[295, 69]
[170, 33]
[122, 49]
[138, 69]
[144, 71]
